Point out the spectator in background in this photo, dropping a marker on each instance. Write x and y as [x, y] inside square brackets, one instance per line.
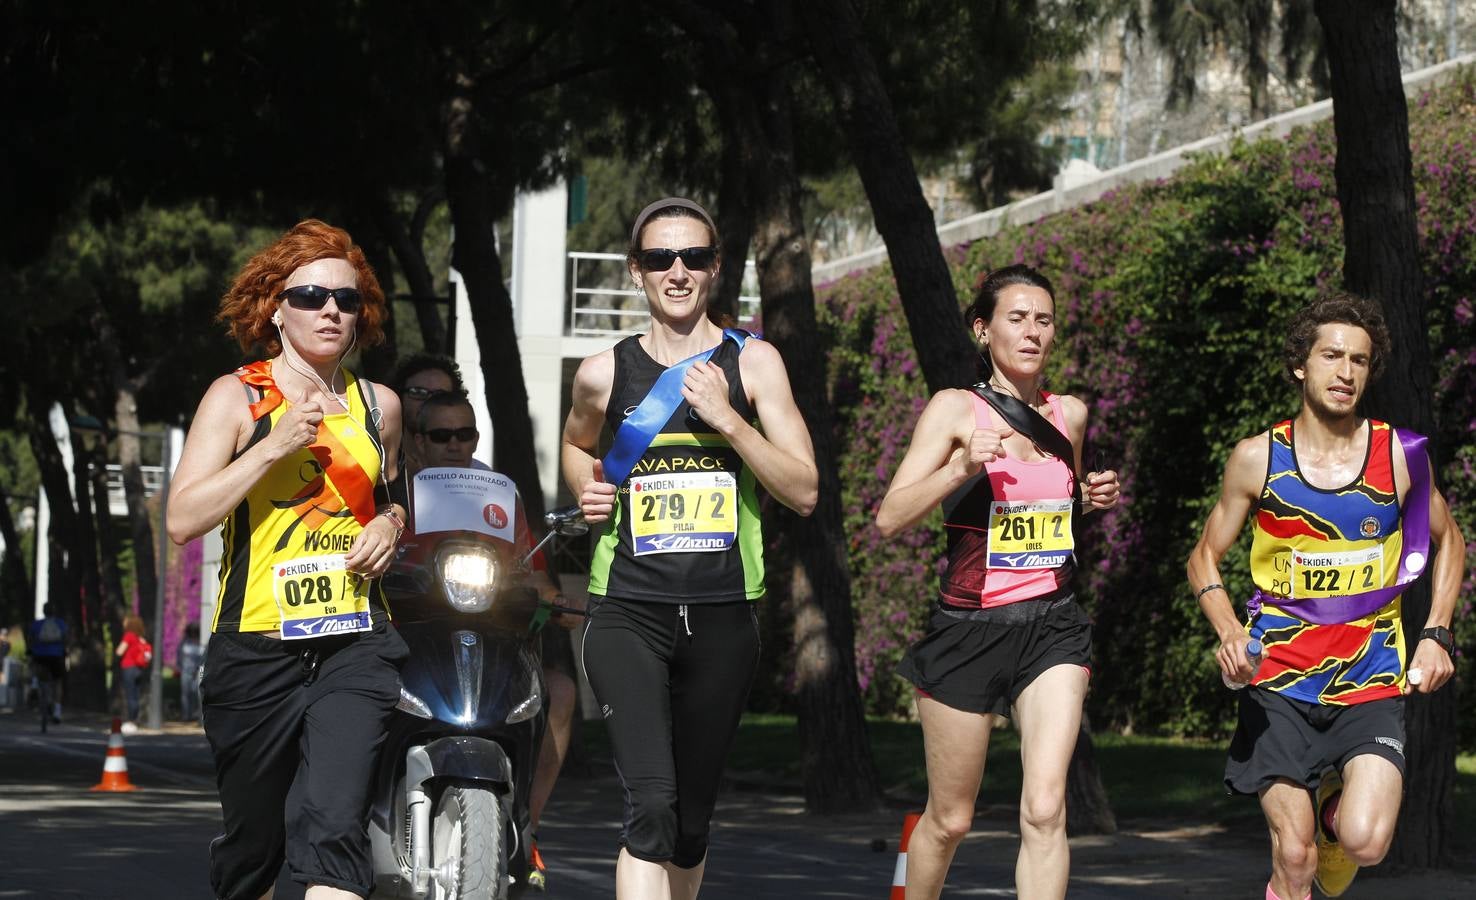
[417, 378]
[188, 662]
[12, 653]
[135, 653]
[47, 647]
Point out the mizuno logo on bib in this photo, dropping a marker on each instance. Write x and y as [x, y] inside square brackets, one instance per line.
[1030, 534]
[683, 513]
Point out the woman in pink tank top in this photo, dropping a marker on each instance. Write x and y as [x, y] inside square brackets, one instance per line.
[1006, 637]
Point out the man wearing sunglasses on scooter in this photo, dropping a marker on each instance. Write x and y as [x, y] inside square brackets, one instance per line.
[445, 435]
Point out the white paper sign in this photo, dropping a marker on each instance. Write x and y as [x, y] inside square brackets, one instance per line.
[454, 499]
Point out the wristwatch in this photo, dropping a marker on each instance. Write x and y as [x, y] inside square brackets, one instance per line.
[1442, 636]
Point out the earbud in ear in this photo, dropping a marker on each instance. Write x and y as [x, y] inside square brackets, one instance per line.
[277, 320]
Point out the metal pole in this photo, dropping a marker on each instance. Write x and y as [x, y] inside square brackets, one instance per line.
[156, 672]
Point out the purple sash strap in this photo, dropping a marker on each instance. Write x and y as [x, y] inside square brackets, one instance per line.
[1415, 523]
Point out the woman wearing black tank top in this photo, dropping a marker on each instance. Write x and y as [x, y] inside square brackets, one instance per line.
[671, 643]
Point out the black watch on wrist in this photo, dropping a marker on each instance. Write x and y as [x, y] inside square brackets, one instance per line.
[1442, 636]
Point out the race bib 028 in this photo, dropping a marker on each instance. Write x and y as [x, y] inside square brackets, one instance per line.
[1336, 574]
[1030, 534]
[317, 596]
[694, 512]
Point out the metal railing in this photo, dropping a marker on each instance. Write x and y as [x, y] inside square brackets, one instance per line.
[601, 304]
[153, 480]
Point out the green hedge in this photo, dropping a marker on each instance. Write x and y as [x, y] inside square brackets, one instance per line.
[1173, 296]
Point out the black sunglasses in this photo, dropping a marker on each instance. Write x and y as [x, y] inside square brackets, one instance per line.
[444, 435]
[313, 297]
[660, 259]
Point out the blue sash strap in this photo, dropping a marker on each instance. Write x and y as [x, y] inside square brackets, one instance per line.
[642, 426]
[1414, 522]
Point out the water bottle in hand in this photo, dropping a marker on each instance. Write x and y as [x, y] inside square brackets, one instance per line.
[1253, 652]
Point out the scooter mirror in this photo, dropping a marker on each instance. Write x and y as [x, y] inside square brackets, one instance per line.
[566, 521]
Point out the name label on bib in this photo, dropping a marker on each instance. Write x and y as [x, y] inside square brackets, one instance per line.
[694, 512]
[318, 596]
[1030, 534]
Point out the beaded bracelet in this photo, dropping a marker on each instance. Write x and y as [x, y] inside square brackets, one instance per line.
[389, 513]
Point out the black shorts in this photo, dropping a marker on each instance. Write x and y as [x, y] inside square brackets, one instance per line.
[55, 667]
[557, 649]
[981, 660]
[1279, 737]
[296, 727]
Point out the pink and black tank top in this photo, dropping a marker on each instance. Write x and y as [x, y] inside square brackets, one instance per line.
[1009, 528]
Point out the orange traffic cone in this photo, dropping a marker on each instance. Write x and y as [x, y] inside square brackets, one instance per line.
[115, 765]
[899, 876]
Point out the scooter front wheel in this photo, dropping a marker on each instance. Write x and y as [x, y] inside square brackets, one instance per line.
[467, 852]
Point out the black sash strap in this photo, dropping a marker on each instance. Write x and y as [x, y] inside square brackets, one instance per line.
[1041, 431]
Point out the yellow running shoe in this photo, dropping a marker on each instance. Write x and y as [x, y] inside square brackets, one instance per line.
[1335, 870]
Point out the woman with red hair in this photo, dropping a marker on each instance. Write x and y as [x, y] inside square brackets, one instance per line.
[292, 456]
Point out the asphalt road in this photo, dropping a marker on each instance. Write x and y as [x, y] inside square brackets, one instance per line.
[59, 840]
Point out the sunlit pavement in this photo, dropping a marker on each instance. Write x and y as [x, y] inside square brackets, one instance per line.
[60, 840]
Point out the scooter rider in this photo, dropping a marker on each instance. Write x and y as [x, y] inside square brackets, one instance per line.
[445, 434]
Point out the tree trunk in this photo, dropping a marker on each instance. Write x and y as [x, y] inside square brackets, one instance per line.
[107, 551]
[1087, 808]
[1259, 16]
[378, 363]
[838, 770]
[90, 607]
[1381, 260]
[130, 455]
[17, 583]
[734, 219]
[903, 217]
[62, 577]
[473, 215]
[411, 257]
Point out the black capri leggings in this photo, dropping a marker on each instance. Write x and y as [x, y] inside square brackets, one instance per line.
[671, 681]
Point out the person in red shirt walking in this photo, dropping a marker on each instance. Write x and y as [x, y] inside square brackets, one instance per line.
[135, 653]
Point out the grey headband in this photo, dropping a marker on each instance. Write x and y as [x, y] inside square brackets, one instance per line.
[664, 203]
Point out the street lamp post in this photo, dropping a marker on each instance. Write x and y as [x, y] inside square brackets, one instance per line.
[156, 669]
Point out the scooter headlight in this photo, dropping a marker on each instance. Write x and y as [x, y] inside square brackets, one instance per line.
[469, 576]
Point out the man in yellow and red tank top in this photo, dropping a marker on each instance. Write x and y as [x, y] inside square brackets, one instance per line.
[1344, 517]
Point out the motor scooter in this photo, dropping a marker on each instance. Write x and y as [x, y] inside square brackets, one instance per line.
[450, 816]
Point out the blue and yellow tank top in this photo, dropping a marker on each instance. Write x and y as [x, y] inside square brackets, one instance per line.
[284, 543]
[1310, 542]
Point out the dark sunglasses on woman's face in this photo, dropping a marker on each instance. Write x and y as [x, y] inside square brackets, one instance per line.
[660, 259]
[312, 297]
[444, 435]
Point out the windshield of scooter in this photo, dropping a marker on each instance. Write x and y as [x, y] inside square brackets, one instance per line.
[464, 499]
[462, 550]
